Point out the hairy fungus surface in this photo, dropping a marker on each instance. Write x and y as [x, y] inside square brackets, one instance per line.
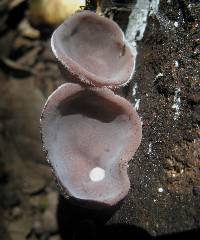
[89, 136]
[94, 49]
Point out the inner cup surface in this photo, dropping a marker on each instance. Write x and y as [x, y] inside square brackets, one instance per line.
[88, 137]
[96, 47]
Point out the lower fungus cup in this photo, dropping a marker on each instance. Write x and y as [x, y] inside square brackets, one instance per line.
[89, 136]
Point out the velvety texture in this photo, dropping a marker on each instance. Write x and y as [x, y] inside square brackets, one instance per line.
[90, 135]
[94, 49]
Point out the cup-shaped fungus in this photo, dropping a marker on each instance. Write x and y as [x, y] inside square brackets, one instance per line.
[89, 136]
[94, 49]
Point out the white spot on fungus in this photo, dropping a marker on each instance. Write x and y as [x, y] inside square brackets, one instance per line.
[160, 190]
[97, 174]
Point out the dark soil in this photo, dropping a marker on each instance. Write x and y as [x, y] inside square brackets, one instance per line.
[165, 173]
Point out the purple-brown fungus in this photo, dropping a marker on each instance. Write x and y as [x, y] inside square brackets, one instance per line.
[94, 49]
[89, 135]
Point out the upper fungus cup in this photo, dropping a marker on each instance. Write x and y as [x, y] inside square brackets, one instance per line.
[89, 136]
[94, 49]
